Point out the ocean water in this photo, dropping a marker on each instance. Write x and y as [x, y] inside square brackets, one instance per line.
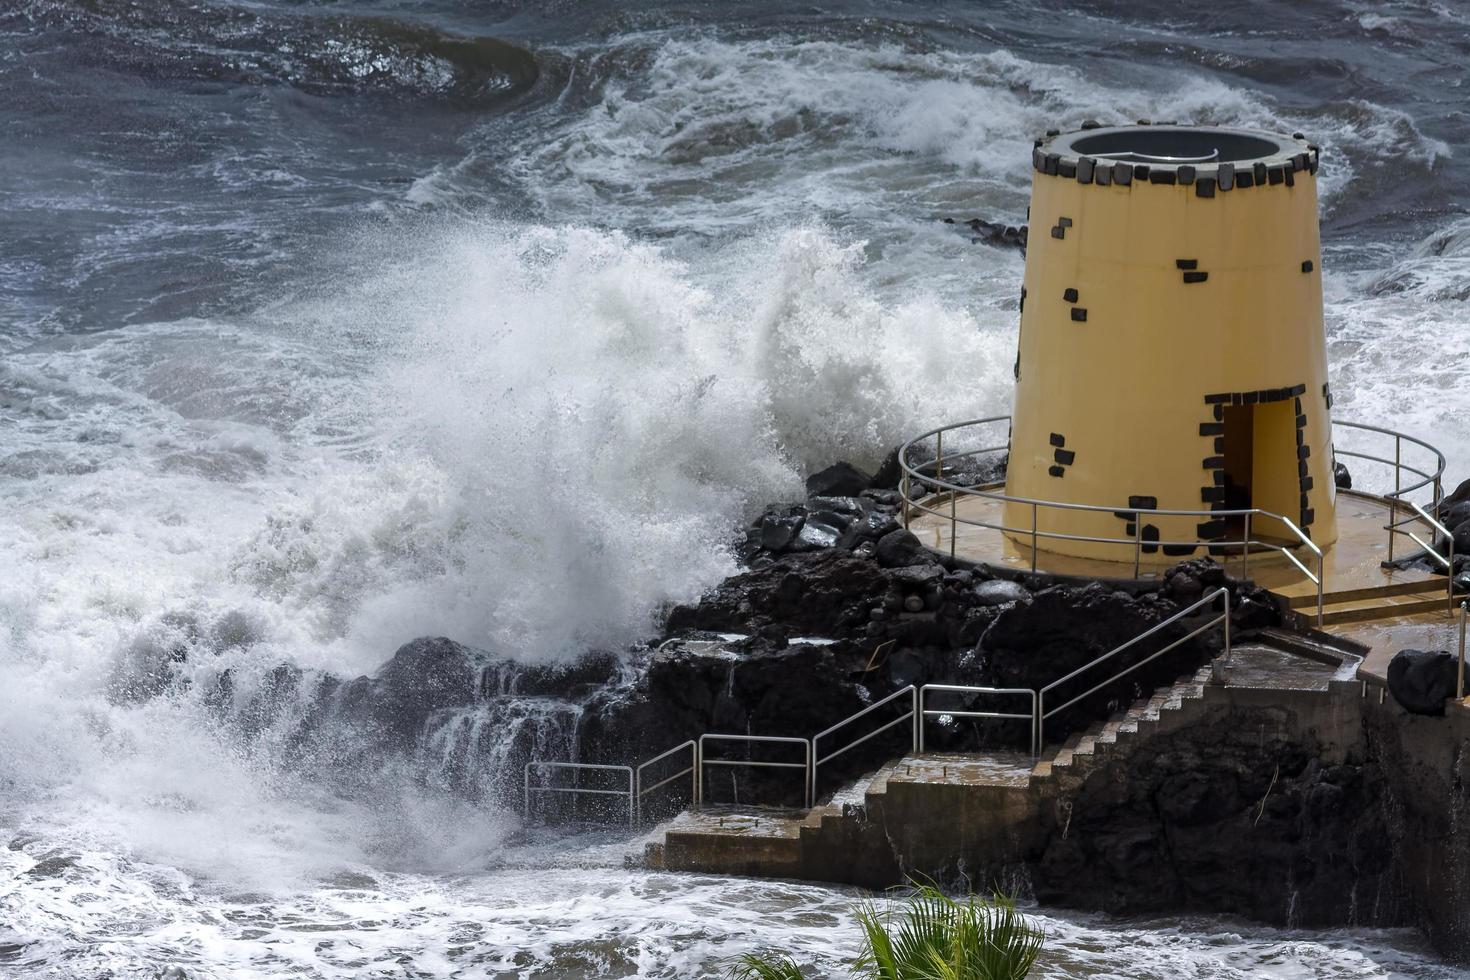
[328, 325]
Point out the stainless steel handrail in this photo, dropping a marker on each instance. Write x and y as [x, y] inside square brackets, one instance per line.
[701, 761]
[1397, 462]
[925, 713]
[639, 791]
[528, 789]
[1400, 492]
[1136, 543]
[917, 714]
[1042, 714]
[1447, 561]
[910, 716]
[1460, 674]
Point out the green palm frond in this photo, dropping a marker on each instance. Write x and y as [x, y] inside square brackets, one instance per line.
[932, 936]
[753, 967]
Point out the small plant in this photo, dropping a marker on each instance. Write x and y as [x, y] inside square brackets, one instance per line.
[753, 967]
[930, 936]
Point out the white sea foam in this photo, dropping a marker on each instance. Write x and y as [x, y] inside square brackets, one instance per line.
[533, 439]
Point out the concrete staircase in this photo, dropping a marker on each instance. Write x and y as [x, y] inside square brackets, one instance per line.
[1386, 601]
[991, 795]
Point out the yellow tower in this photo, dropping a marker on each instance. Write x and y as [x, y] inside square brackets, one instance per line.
[1172, 354]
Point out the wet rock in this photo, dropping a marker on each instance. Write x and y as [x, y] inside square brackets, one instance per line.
[1184, 587]
[889, 474]
[899, 548]
[994, 233]
[1000, 592]
[778, 531]
[1462, 539]
[53, 866]
[838, 480]
[1341, 476]
[751, 686]
[920, 577]
[838, 590]
[1063, 628]
[868, 527]
[815, 535]
[1213, 816]
[1421, 681]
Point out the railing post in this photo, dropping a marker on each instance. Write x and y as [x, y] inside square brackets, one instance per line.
[953, 521]
[918, 722]
[920, 717]
[1035, 726]
[811, 793]
[1393, 501]
[699, 773]
[1222, 671]
[1245, 548]
[1033, 538]
[1040, 721]
[939, 456]
[1450, 573]
[1322, 585]
[1393, 523]
[1460, 675]
[1137, 542]
[903, 496]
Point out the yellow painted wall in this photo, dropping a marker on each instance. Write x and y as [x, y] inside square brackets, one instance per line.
[1126, 388]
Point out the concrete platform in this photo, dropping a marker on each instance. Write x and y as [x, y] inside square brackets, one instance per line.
[1353, 562]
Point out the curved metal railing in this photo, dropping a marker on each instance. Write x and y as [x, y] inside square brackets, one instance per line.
[1408, 477]
[1399, 500]
[1136, 543]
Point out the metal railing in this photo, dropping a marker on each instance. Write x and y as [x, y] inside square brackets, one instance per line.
[578, 768]
[1398, 499]
[1460, 674]
[692, 771]
[805, 766]
[926, 713]
[917, 714]
[910, 716]
[1223, 619]
[1134, 543]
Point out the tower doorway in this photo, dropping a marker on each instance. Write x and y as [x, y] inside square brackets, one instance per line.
[1261, 468]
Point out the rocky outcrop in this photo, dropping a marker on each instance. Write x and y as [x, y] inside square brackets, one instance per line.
[994, 233]
[1237, 816]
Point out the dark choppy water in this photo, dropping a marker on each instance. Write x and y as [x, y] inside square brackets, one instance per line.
[326, 325]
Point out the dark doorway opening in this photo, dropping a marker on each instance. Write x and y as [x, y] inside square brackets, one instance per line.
[1260, 457]
[1239, 455]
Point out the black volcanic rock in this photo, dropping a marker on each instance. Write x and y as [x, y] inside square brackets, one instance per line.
[1215, 816]
[899, 547]
[1421, 681]
[838, 480]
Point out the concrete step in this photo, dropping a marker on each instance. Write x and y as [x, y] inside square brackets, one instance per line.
[1383, 607]
[1403, 586]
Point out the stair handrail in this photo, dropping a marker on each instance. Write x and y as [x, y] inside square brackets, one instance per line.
[539, 765]
[925, 713]
[917, 715]
[640, 791]
[805, 766]
[1224, 618]
[911, 716]
[1447, 561]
